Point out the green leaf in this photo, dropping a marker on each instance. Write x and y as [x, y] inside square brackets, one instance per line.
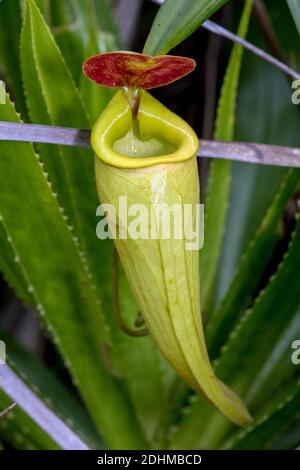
[45, 383]
[248, 204]
[251, 267]
[215, 211]
[290, 440]
[294, 6]
[251, 342]
[44, 6]
[95, 96]
[64, 27]
[175, 21]
[13, 276]
[99, 34]
[238, 354]
[238, 351]
[39, 113]
[55, 77]
[96, 17]
[216, 202]
[46, 79]
[57, 277]
[150, 392]
[20, 431]
[282, 410]
[260, 117]
[77, 168]
[278, 368]
[10, 26]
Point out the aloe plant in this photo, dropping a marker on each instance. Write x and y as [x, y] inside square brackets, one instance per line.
[118, 391]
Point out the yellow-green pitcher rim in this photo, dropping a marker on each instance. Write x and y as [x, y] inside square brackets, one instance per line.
[155, 120]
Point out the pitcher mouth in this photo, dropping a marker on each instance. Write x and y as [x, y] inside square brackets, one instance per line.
[165, 137]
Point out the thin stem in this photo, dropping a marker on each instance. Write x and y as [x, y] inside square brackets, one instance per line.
[116, 303]
[217, 29]
[15, 131]
[263, 154]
